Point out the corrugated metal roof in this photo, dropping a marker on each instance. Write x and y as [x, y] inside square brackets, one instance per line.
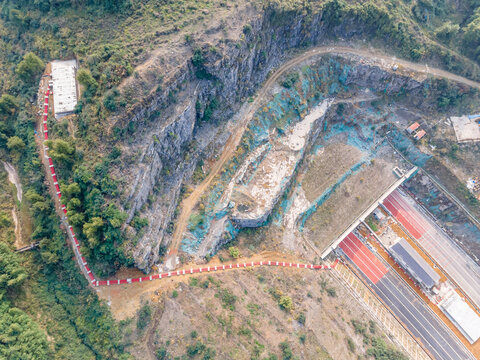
[464, 318]
[406, 255]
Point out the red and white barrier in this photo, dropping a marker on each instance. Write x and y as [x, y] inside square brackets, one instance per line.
[215, 268]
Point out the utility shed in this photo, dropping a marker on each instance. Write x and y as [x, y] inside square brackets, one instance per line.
[463, 317]
[64, 87]
[410, 260]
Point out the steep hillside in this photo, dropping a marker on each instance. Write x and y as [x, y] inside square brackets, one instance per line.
[164, 86]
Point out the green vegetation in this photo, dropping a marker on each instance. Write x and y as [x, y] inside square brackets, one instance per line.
[30, 68]
[227, 298]
[20, 336]
[286, 303]
[351, 345]
[144, 316]
[287, 353]
[378, 348]
[371, 223]
[109, 38]
[234, 252]
[290, 80]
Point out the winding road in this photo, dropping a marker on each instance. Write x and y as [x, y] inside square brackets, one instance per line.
[385, 61]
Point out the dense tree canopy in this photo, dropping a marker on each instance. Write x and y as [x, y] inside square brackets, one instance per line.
[20, 336]
[11, 272]
[30, 67]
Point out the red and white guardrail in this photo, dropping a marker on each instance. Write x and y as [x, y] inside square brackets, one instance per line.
[96, 282]
[216, 268]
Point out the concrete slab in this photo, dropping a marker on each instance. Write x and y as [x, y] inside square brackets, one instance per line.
[467, 129]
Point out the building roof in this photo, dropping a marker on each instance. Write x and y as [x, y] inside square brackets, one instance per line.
[413, 127]
[462, 315]
[64, 86]
[411, 260]
[420, 134]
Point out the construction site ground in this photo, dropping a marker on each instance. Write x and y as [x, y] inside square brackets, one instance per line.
[475, 348]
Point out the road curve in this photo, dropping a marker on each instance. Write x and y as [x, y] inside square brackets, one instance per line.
[189, 203]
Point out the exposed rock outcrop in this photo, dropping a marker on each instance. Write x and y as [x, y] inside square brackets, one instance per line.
[170, 138]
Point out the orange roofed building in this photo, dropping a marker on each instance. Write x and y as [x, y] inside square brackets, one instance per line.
[419, 135]
[413, 127]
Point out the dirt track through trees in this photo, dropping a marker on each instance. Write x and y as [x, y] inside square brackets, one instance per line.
[190, 202]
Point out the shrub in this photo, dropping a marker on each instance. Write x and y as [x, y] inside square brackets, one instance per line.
[162, 353]
[380, 350]
[193, 334]
[174, 294]
[227, 298]
[301, 318]
[234, 252]
[245, 331]
[331, 292]
[195, 349]
[287, 353]
[209, 354]
[290, 80]
[247, 29]
[351, 345]
[286, 303]
[359, 327]
[144, 316]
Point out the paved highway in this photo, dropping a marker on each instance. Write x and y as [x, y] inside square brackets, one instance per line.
[411, 310]
[461, 268]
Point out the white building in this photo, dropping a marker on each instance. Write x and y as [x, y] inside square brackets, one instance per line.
[64, 87]
[462, 316]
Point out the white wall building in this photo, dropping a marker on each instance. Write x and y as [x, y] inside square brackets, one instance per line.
[64, 87]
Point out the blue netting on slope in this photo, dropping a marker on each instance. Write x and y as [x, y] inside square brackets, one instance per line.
[408, 149]
[286, 107]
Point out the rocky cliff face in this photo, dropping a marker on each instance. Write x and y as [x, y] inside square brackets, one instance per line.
[224, 75]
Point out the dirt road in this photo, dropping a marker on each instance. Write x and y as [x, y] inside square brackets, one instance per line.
[383, 60]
